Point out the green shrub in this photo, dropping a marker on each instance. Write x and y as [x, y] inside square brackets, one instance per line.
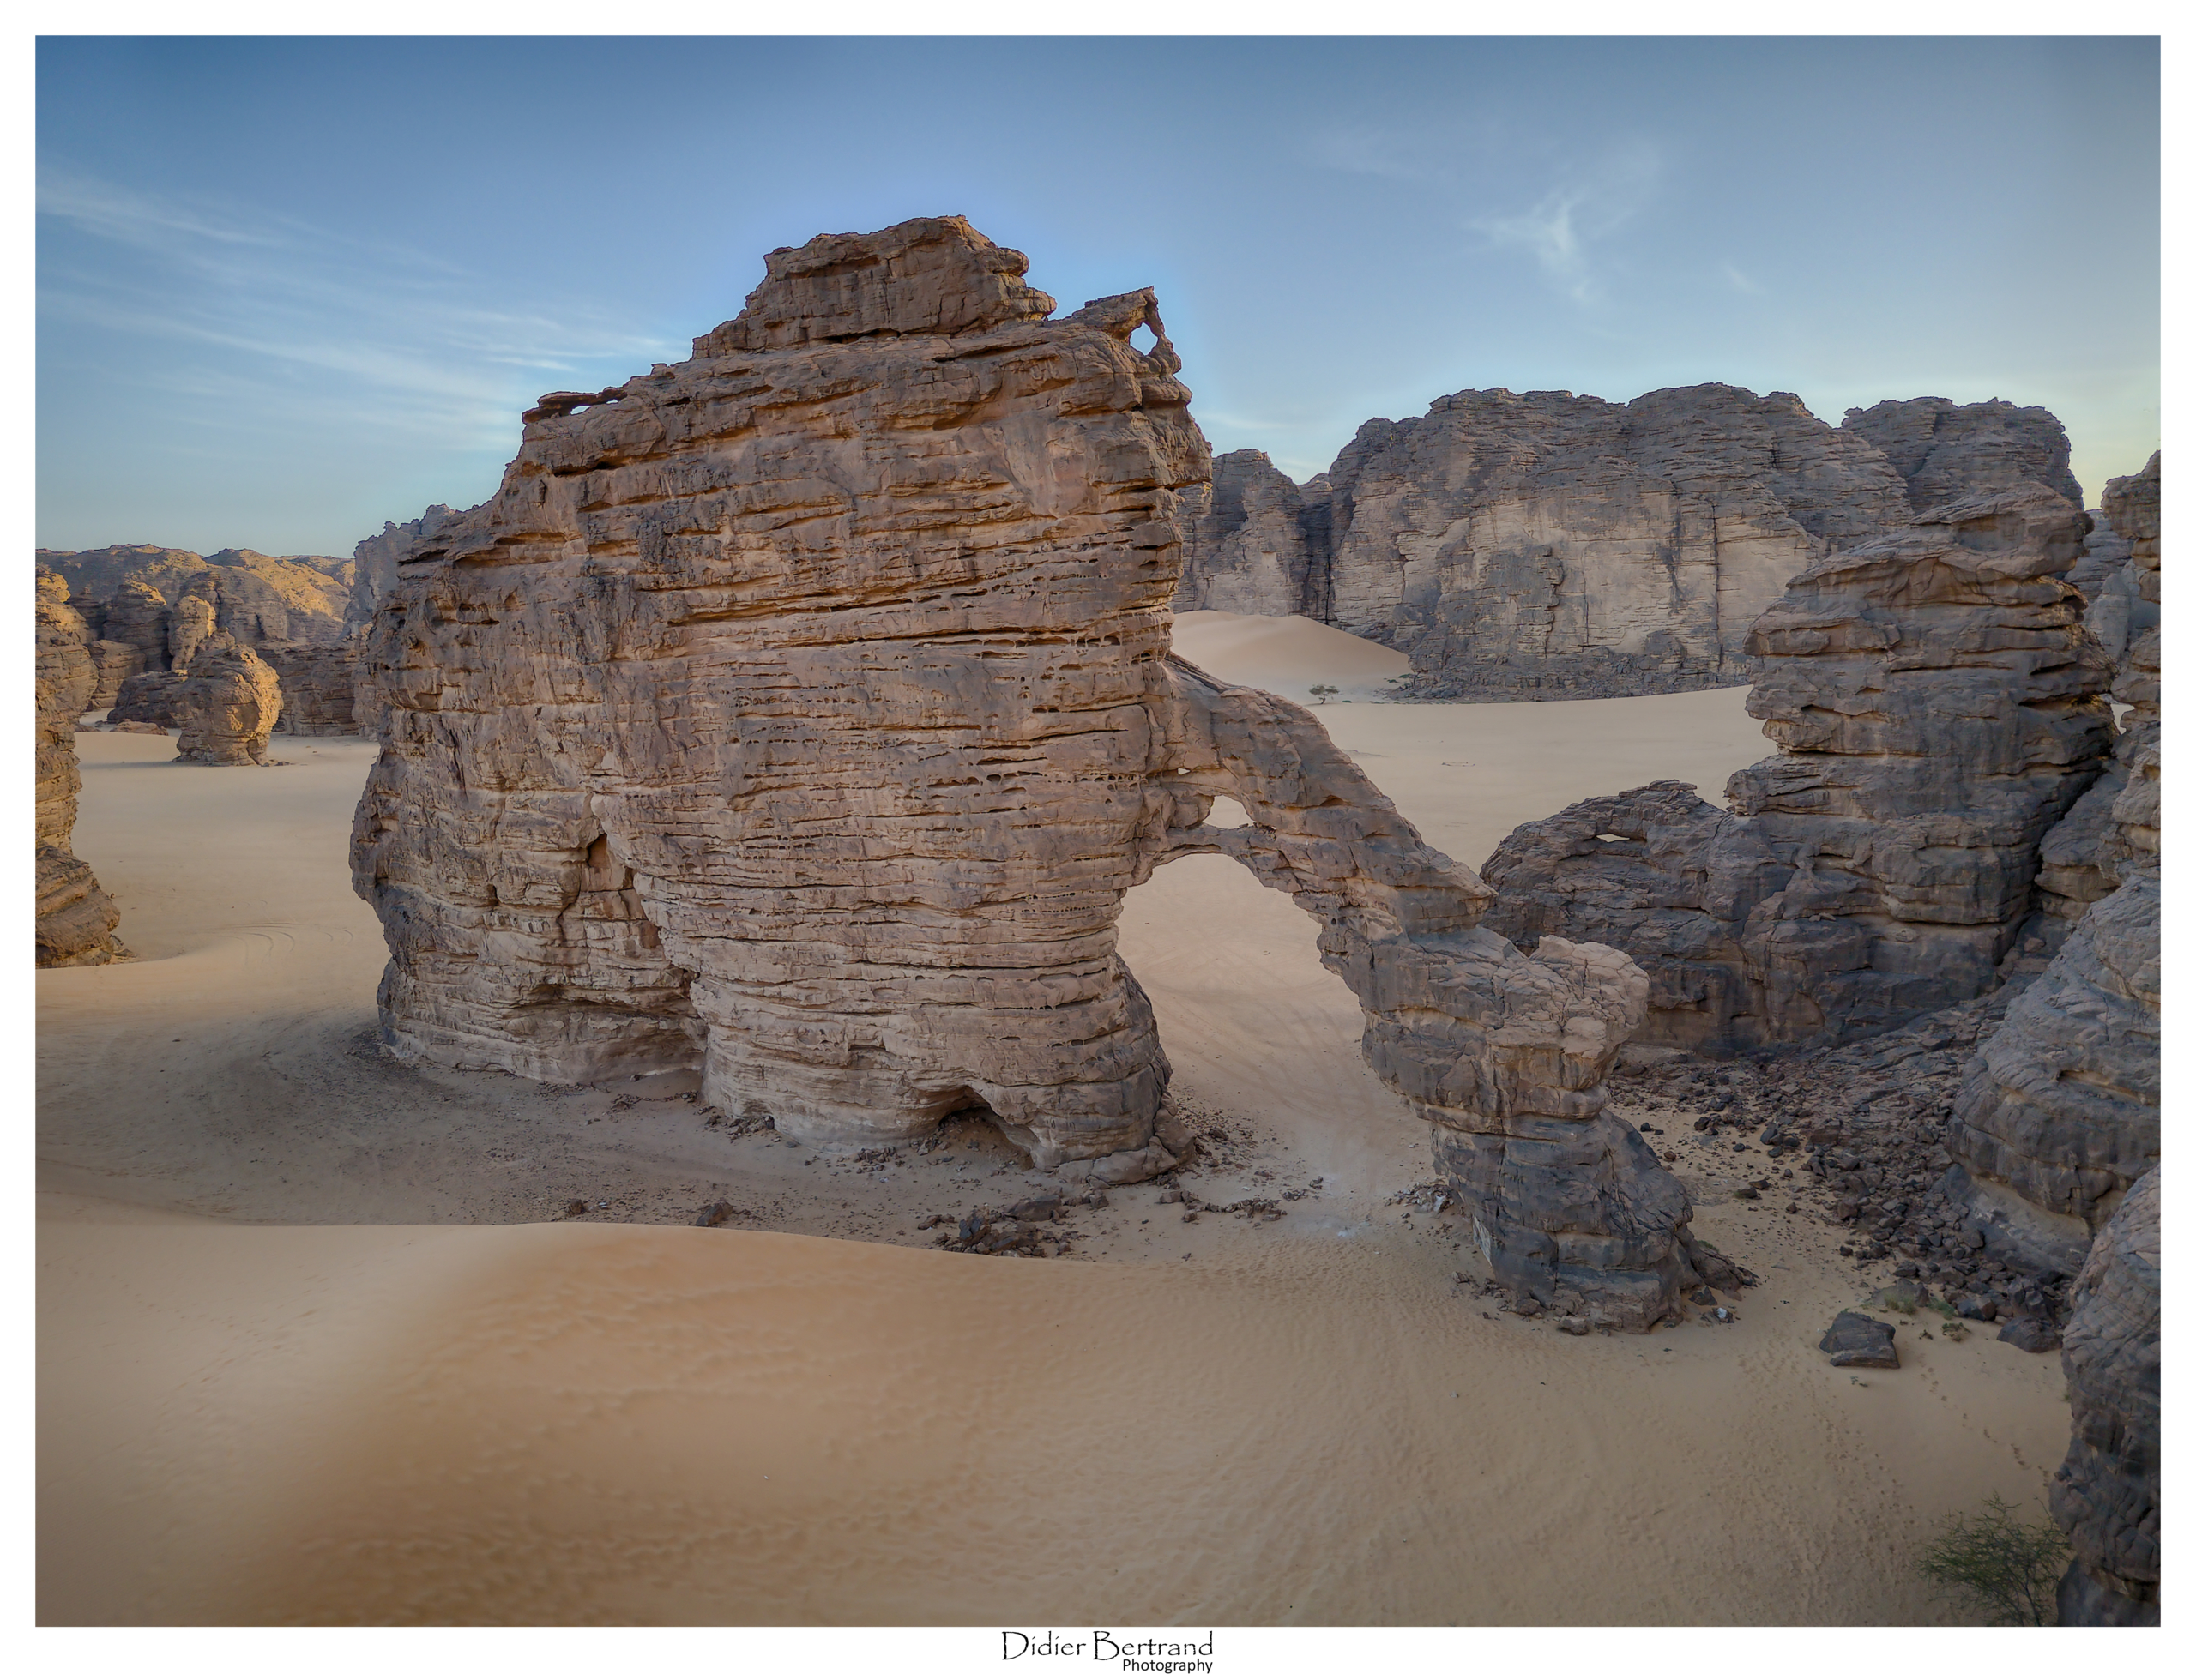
[2010, 1567]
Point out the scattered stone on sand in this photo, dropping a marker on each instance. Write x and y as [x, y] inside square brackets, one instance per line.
[1855, 1339]
[2030, 1335]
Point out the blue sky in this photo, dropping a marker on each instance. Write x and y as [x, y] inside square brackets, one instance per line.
[290, 289]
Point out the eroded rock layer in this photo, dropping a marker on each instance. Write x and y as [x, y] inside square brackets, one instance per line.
[1245, 547]
[74, 919]
[801, 713]
[1938, 707]
[2106, 1494]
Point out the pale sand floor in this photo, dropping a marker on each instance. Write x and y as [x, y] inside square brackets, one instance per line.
[385, 1398]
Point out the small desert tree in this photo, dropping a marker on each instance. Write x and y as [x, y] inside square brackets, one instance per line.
[1321, 690]
[2009, 1568]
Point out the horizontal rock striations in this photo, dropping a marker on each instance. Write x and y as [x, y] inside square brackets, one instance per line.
[2106, 1494]
[74, 919]
[801, 713]
[1939, 707]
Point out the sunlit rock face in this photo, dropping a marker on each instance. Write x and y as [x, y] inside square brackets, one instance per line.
[75, 919]
[799, 714]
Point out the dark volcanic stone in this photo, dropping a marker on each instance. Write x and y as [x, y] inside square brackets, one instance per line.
[1855, 1339]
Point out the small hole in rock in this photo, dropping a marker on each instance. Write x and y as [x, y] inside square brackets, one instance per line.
[1228, 813]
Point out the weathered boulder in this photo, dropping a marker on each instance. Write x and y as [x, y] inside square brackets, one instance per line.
[319, 687]
[1666, 878]
[2105, 1494]
[1948, 451]
[1245, 548]
[74, 919]
[1938, 705]
[801, 713]
[1855, 1338]
[226, 706]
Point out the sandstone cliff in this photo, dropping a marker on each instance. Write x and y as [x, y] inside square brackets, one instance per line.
[800, 712]
[76, 919]
[1549, 544]
[1245, 549]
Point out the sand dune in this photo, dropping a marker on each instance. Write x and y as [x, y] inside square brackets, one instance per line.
[391, 1394]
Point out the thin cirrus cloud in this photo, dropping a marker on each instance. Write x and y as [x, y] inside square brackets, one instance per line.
[1567, 231]
[401, 333]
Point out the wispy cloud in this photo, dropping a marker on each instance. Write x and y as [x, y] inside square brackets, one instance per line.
[1567, 229]
[296, 318]
[1740, 282]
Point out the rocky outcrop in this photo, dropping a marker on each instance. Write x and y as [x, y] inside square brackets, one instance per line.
[137, 617]
[2059, 1112]
[2105, 1494]
[76, 919]
[1948, 451]
[1939, 707]
[800, 712]
[226, 706]
[1245, 548]
[113, 663]
[2058, 1115]
[374, 562]
[149, 697]
[192, 620]
[319, 691]
[1548, 543]
[1664, 876]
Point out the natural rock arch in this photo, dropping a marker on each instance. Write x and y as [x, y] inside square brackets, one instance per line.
[806, 708]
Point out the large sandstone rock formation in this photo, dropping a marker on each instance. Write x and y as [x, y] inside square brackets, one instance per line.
[76, 919]
[1948, 451]
[1553, 544]
[2059, 1112]
[1939, 707]
[802, 712]
[2105, 1494]
[226, 706]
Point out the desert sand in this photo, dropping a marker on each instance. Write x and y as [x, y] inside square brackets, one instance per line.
[320, 1341]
